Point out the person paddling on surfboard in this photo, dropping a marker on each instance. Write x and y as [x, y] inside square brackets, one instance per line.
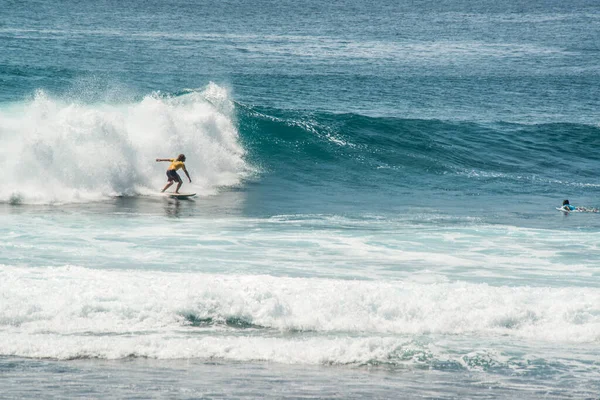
[172, 175]
[567, 206]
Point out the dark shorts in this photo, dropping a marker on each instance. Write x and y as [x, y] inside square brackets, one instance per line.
[173, 176]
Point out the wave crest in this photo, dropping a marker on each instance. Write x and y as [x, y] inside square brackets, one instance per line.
[59, 151]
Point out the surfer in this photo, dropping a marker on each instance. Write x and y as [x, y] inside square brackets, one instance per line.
[568, 207]
[172, 175]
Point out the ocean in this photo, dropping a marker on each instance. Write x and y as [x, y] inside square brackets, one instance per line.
[375, 214]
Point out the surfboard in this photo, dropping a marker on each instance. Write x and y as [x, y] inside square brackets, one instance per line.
[180, 195]
[579, 210]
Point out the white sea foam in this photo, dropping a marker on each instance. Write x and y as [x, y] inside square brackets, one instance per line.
[71, 312]
[306, 246]
[59, 150]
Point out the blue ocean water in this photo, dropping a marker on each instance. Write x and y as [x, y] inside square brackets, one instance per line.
[375, 216]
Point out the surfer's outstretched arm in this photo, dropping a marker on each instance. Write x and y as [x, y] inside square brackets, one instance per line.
[163, 159]
[188, 175]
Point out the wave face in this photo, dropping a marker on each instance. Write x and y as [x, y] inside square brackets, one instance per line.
[57, 150]
[60, 150]
[385, 151]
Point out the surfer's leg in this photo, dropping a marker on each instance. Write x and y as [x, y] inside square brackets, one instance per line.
[177, 178]
[168, 185]
[173, 177]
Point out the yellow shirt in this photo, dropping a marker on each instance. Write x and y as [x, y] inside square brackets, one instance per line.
[175, 165]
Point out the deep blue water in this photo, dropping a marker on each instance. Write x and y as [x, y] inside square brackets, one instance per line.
[375, 214]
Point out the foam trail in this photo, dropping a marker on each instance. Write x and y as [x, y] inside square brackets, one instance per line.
[56, 150]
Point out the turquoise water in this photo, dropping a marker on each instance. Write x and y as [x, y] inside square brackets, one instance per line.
[375, 214]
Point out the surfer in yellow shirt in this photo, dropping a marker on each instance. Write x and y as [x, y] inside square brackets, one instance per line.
[172, 175]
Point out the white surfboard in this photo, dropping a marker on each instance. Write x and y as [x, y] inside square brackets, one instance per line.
[180, 195]
[579, 210]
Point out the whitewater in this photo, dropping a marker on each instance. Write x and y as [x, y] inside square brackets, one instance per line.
[62, 151]
[105, 282]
